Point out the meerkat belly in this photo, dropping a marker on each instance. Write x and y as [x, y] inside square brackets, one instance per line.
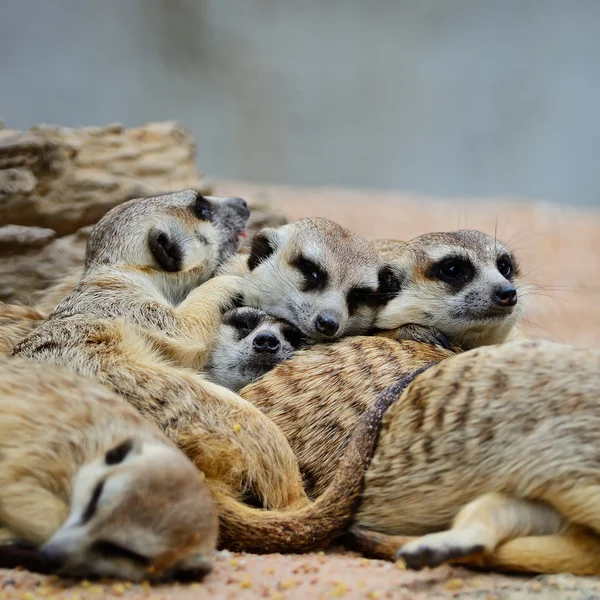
[475, 424]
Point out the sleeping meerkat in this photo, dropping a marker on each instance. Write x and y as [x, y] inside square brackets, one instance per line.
[85, 477]
[502, 440]
[463, 284]
[249, 344]
[130, 325]
[326, 280]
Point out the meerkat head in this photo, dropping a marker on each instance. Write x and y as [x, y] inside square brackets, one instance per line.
[250, 343]
[139, 511]
[179, 235]
[463, 283]
[319, 276]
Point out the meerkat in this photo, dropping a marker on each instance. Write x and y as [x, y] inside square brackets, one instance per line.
[317, 396]
[501, 443]
[463, 284]
[324, 279]
[98, 488]
[139, 323]
[249, 344]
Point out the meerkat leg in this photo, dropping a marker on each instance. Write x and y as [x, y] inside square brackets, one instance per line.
[480, 527]
[201, 312]
[30, 512]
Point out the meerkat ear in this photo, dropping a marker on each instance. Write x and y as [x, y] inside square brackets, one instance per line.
[166, 251]
[263, 245]
[391, 280]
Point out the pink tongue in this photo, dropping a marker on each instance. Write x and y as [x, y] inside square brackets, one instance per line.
[244, 234]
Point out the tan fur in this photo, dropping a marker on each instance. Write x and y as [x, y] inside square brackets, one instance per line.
[317, 396]
[15, 323]
[55, 431]
[145, 332]
[519, 420]
[467, 315]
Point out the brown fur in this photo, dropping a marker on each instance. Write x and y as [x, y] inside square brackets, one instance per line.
[15, 323]
[519, 423]
[55, 430]
[317, 396]
[145, 332]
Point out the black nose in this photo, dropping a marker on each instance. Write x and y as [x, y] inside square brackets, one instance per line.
[326, 325]
[506, 296]
[240, 206]
[266, 342]
[53, 557]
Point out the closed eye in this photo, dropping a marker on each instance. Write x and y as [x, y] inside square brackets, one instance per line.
[294, 336]
[93, 503]
[315, 278]
[111, 550]
[243, 321]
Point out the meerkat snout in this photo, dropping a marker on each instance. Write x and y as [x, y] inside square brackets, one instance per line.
[250, 343]
[505, 295]
[266, 342]
[327, 324]
[326, 280]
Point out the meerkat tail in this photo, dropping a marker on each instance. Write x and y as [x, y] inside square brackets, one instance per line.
[248, 529]
[575, 551]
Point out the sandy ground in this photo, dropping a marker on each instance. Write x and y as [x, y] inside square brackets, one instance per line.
[559, 251]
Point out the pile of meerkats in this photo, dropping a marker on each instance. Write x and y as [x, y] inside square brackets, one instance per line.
[181, 395]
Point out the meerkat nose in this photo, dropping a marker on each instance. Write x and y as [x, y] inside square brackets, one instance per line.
[53, 556]
[266, 342]
[506, 295]
[240, 205]
[326, 325]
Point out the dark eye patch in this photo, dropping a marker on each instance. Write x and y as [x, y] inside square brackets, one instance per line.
[260, 249]
[315, 278]
[117, 454]
[111, 550]
[166, 252]
[456, 271]
[243, 321]
[357, 296]
[93, 503]
[203, 208]
[293, 335]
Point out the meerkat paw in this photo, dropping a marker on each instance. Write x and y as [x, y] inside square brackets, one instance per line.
[437, 548]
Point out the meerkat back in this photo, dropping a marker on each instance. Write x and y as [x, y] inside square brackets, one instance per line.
[88, 480]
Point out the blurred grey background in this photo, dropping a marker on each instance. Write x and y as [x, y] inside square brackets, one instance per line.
[450, 97]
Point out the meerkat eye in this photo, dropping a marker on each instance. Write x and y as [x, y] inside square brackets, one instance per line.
[203, 208]
[505, 267]
[243, 321]
[454, 271]
[118, 454]
[93, 503]
[315, 278]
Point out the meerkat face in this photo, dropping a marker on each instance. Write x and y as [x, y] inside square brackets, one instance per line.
[141, 511]
[319, 276]
[250, 343]
[464, 283]
[183, 236]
